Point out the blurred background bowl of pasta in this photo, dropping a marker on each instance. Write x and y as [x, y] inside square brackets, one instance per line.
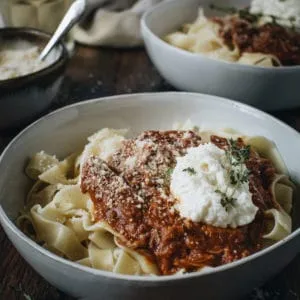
[268, 88]
[27, 85]
[65, 131]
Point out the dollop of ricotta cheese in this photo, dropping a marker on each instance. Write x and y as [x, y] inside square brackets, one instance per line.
[200, 180]
[284, 10]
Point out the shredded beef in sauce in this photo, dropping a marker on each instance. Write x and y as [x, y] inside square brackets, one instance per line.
[131, 193]
[269, 38]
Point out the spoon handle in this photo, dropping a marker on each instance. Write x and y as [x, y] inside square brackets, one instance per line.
[73, 14]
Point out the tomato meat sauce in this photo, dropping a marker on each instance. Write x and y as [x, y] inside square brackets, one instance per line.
[270, 38]
[131, 192]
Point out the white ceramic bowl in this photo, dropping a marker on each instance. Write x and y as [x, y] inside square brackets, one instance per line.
[266, 88]
[66, 130]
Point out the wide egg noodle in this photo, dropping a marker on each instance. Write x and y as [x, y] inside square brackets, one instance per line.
[24, 222]
[282, 189]
[39, 163]
[76, 170]
[67, 202]
[40, 194]
[53, 223]
[75, 223]
[103, 144]
[280, 224]
[104, 254]
[51, 249]
[180, 40]
[125, 264]
[147, 266]
[70, 197]
[259, 59]
[101, 258]
[57, 235]
[61, 173]
[203, 37]
[268, 149]
[103, 239]
[103, 244]
[224, 54]
[85, 262]
[73, 205]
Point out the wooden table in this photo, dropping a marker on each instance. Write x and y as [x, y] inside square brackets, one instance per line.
[92, 73]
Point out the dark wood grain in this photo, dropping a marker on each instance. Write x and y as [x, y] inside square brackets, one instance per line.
[92, 73]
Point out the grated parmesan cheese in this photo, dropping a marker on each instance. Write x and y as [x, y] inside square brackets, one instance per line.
[20, 58]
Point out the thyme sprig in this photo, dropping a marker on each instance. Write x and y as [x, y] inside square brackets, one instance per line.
[244, 13]
[236, 156]
[226, 201]
[190, 170]
[169, 172]
[167, 177]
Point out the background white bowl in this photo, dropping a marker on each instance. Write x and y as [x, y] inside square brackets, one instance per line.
[66, 130]
[266, 88]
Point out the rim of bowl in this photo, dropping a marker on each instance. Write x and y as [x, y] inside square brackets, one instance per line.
[41, 35]
[235, 65]
[166, 278]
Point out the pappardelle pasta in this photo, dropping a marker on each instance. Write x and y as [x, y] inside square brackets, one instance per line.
[240, 37]
[165, 202]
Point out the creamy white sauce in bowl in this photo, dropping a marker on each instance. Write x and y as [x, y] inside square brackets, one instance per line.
[20, 58]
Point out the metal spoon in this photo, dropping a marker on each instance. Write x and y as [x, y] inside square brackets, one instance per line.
[73, 14]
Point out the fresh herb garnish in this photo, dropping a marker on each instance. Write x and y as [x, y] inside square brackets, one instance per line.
[169, 172]
[190, 170]
[238, 173]
[167, 177]
[237, 155]
[226, 202]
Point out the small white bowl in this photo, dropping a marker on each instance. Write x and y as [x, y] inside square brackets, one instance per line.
[266, 88]
[66, 130]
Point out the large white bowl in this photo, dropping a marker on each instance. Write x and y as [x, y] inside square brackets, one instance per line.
[65, 131]
[266, 88]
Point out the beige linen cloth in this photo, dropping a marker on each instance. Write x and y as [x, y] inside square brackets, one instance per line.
[112, 23]
[106, 22]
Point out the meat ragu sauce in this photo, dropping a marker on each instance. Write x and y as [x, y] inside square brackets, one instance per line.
[131, 193]
[269, 38]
